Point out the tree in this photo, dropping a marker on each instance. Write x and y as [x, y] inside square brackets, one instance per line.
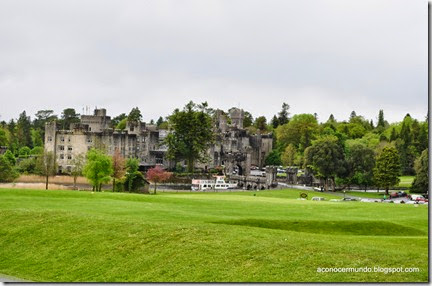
[381, 122]
[10, 157]
[41, 117]
[191, 135]
[23, 130]
[38, 150]
[387, 168]
[3, 137]
[134, 179]
[116, 120]
[24, 152]
[7, 170]
[247, 120]
[261, 123]
[46, 166]
[300, 131]
[122, 124]
[274, 122]
[77, 167]
[68, 117]
[360, 163]
[273, 158]
[157, 175]
[13, 139]
[288, 156]
[421, 180]
[283, 114]
[37, 137]
[393, 135]
[98, 168]
[118, 167]
[159, 121]
[326, 158]
[134, 115]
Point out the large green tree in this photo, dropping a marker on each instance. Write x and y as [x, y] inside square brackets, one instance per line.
[360, 163]
[98, 168]
[421, 180]
[387, 168]
[326, 159]
[300, 131]
[134, 115]
[191, 135]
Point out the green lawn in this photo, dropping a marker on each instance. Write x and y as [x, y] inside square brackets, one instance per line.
[63, 236]
[406, 181]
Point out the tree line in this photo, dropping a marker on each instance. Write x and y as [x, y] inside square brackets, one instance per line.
[348, 152]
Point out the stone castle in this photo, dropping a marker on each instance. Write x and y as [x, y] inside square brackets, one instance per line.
[234, 148]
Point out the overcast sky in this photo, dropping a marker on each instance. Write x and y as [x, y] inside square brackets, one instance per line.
[318, 56]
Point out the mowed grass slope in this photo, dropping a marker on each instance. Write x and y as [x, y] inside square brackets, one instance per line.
[64, 236]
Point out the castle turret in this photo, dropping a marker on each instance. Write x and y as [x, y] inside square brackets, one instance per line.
[50, 136]
[237, 116]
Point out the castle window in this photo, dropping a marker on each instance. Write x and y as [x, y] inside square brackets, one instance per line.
[62, 139]
[61, 147]
[89, 140]
[69, 148]
[49, 139]
[69, 169]
[61, 156]
[69, 140]
[69, 157]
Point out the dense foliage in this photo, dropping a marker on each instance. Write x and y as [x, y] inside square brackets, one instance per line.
[98, 168]
[192, 134]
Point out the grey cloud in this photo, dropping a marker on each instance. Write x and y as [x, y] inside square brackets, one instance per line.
[321, 56]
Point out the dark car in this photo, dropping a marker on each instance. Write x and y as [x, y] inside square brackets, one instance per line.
[402, 194]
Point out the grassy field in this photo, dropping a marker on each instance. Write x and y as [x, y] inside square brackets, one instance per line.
[63, 236]
[406, 181]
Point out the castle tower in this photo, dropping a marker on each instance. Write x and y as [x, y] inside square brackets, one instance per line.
[50, 136]
[237, 116]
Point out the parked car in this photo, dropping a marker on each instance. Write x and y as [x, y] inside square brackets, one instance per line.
[388, 201]
[402, 194]
[318, 199]
[418, 198]
[394, 195]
